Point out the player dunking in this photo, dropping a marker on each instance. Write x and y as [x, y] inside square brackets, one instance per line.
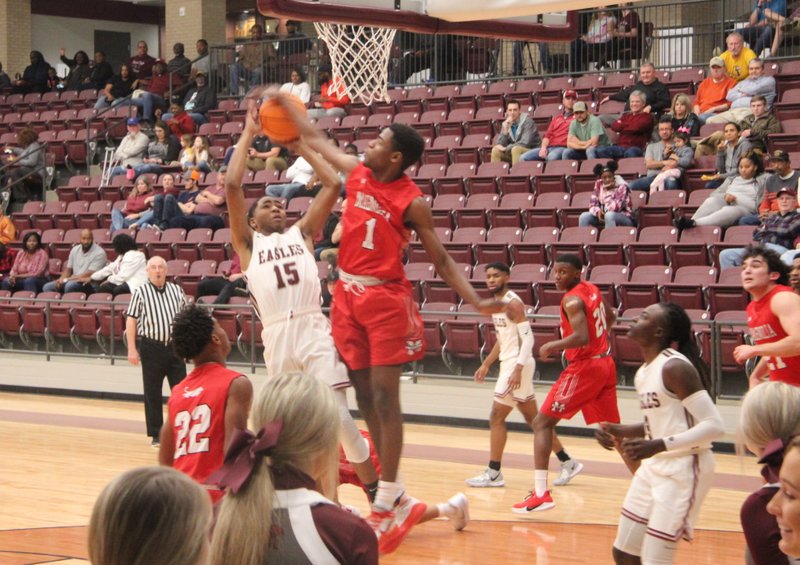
[673, 442]
[208, 405]
[283, 280]
[376, 323]
[773, 317]
[588, 384]
[514, 348]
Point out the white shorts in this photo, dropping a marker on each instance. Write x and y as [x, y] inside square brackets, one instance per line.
[502, 390]
[304, 343]
[662, 505]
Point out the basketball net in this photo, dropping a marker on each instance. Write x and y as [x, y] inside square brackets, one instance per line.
[360, 59]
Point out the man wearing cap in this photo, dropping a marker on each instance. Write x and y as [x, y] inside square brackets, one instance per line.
[782, 176]
[517, 135]
[157, 91]
[209, 204]
[554, 142]
[198, 101]
[130, 151]
[740, 95]
[332, 98]
[168, 208]
[710, 98]
[777, 232]
[586, 135]
[737, 57]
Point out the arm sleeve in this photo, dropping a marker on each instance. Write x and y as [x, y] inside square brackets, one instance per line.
[525, 342]
[662, 100]
[708, 423]
[102, 273]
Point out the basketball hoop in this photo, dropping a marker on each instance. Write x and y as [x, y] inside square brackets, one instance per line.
[360, 59]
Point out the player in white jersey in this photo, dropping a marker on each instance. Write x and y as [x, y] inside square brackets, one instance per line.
[283, 280]
[673, 443]
[514, 388]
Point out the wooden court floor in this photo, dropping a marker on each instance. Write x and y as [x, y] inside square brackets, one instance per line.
[57, 453]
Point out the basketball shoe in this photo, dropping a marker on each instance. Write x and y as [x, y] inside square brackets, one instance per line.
[459, 511]
[568, 470]
[393, 526]
[489, 478]
[533, 503]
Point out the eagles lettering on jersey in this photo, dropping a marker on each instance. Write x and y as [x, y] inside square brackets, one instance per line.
[267, 255]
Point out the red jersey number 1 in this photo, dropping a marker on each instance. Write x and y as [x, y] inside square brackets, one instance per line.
[368, 242]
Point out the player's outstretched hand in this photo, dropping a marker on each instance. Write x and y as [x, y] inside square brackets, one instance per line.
[480, 374]
[490, 306]
[638, 449]
[606, 437]
[744, 352]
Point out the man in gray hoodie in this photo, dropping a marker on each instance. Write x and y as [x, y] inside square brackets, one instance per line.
[517, 135]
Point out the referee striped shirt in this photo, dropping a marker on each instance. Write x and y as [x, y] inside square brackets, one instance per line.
[155, 309]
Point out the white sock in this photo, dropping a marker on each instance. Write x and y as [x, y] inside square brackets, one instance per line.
[445, 510]
[387, 494]
[539, 482]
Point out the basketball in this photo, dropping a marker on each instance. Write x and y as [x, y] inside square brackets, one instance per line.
[276, 124]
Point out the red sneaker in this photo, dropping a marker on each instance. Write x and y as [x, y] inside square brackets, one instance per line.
[407, 514]
[533, 503]
[381, 523]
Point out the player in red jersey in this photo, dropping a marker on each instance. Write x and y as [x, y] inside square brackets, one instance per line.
[208, 405]
[773, 318]
[375, 321]
[588, 384]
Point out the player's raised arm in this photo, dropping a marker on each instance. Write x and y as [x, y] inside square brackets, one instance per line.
[319, 210]
[241, 234]
[418, 216]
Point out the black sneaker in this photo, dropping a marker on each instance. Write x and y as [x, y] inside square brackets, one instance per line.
[155, 443]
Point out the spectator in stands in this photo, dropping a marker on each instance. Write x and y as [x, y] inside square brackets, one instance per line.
[759, 124]
[34, 77]
[26, 162]
[627, 35]
[295, 42]
[187, 141]
[683, 119]
[740, 95]
[656, 156]
[117, 89]
[163, 150]
[196, 157]
[263, 154]
[730, 146]
[180, 65]
[84, 259]
[301, 177]
[138, 209]
[737, 58]
[554, 142]
[231, 283]
[198, 101]
[155, 94]
[202, 64]
[777, 231]
[29, 271]
[254, 58]
[586, 135]
[7, 256]
[595, 44]
[178, 520]
[298, 86]
[351, 149]
[677, 158]
[101, 73]
[712, 92]
[736, 197]
[610, 204]
[417, 53]
[8, 231]
[657, 98]
[517, 135]
[54, 83]
[167, 206]
[168, 184]
[327, 248]
[782, 176]
[79, 70]
[634, 127]
[141, 64]
[332, 99]
[126, 273]
[180, 122]
[131, 149]
[765, 30]
[209, 206]
[5, 80]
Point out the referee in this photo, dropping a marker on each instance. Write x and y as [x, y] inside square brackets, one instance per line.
[149, 331]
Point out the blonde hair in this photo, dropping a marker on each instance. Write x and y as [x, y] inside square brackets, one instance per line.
[683, 99]
[150, 516]
[308, 441]
[769, 411]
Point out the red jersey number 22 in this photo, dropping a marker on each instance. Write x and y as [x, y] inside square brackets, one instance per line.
[190, 427]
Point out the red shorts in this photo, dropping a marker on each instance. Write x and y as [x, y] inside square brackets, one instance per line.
[348, 475]
[380, 326]
[590, 386]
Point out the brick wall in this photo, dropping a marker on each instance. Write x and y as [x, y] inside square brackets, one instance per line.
[202, 18]
[15, 35]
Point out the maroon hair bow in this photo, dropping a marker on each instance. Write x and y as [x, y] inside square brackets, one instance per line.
[241, 457]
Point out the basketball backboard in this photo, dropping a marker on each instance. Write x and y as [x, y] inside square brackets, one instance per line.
[511, 19]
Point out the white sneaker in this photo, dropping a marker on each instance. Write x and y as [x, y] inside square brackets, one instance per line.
[487, 479]
[460, 505]
[568, 470]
